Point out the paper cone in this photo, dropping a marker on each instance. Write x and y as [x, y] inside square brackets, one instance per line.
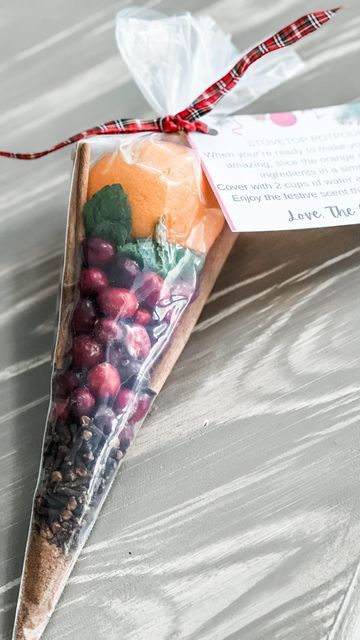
[67, 502]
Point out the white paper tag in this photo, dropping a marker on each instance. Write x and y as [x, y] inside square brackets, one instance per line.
[285, 170]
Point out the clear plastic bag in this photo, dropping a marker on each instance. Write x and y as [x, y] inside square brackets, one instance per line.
[145, 242]
[174, 59]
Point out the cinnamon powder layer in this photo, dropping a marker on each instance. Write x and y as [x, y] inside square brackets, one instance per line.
[43, 580]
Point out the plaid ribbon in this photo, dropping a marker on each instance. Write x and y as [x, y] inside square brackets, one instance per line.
[188, 119]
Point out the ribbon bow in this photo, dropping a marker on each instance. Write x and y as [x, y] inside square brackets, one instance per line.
[188, 119]
[171, 124]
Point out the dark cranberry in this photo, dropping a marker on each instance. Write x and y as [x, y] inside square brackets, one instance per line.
[157, 331]
[92, 281]
[125, 398]
[86, 352]
[105, 419]
[129, 372]
[84, 316]
[104, 380]
[118, 303]
[125, 440]
[65, 383]
[143, 406]
[82, 401]
[114, 355]
[123, 271]
[150, 289]
[98, 252]
[137, 341]
[143, 316]
[107, 330]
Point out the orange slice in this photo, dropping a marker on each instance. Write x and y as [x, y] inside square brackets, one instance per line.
[162, 180]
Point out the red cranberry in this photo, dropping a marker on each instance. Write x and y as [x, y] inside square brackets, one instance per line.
[150, 289]
[82, 401]
[92, 281]
[118, 303]
[98, 252]
[104, 380]
[107, 330]
[124, 399]
[86, 352]
[84, 316]
[61, 410]
[123, 271]
[143, 406]
[137, 342]
[104, 419]
[65, 383]
[143, 316]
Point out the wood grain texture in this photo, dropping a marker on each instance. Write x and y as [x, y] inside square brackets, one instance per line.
[237, 514]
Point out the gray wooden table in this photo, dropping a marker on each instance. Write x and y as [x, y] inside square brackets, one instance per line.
[237, 514]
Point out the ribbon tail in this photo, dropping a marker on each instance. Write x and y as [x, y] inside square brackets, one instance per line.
[287, 36]
[112, 127]
[184, 120]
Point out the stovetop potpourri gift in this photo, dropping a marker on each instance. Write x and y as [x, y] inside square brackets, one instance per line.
[145, 242]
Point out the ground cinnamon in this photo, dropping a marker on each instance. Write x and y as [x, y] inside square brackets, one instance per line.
[44, 576]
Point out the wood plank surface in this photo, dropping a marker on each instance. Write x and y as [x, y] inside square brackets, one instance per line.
[236, 515]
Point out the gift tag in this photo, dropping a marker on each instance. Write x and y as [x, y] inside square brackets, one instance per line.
[293, 170]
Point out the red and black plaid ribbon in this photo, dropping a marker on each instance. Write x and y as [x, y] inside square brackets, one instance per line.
[188, 119]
